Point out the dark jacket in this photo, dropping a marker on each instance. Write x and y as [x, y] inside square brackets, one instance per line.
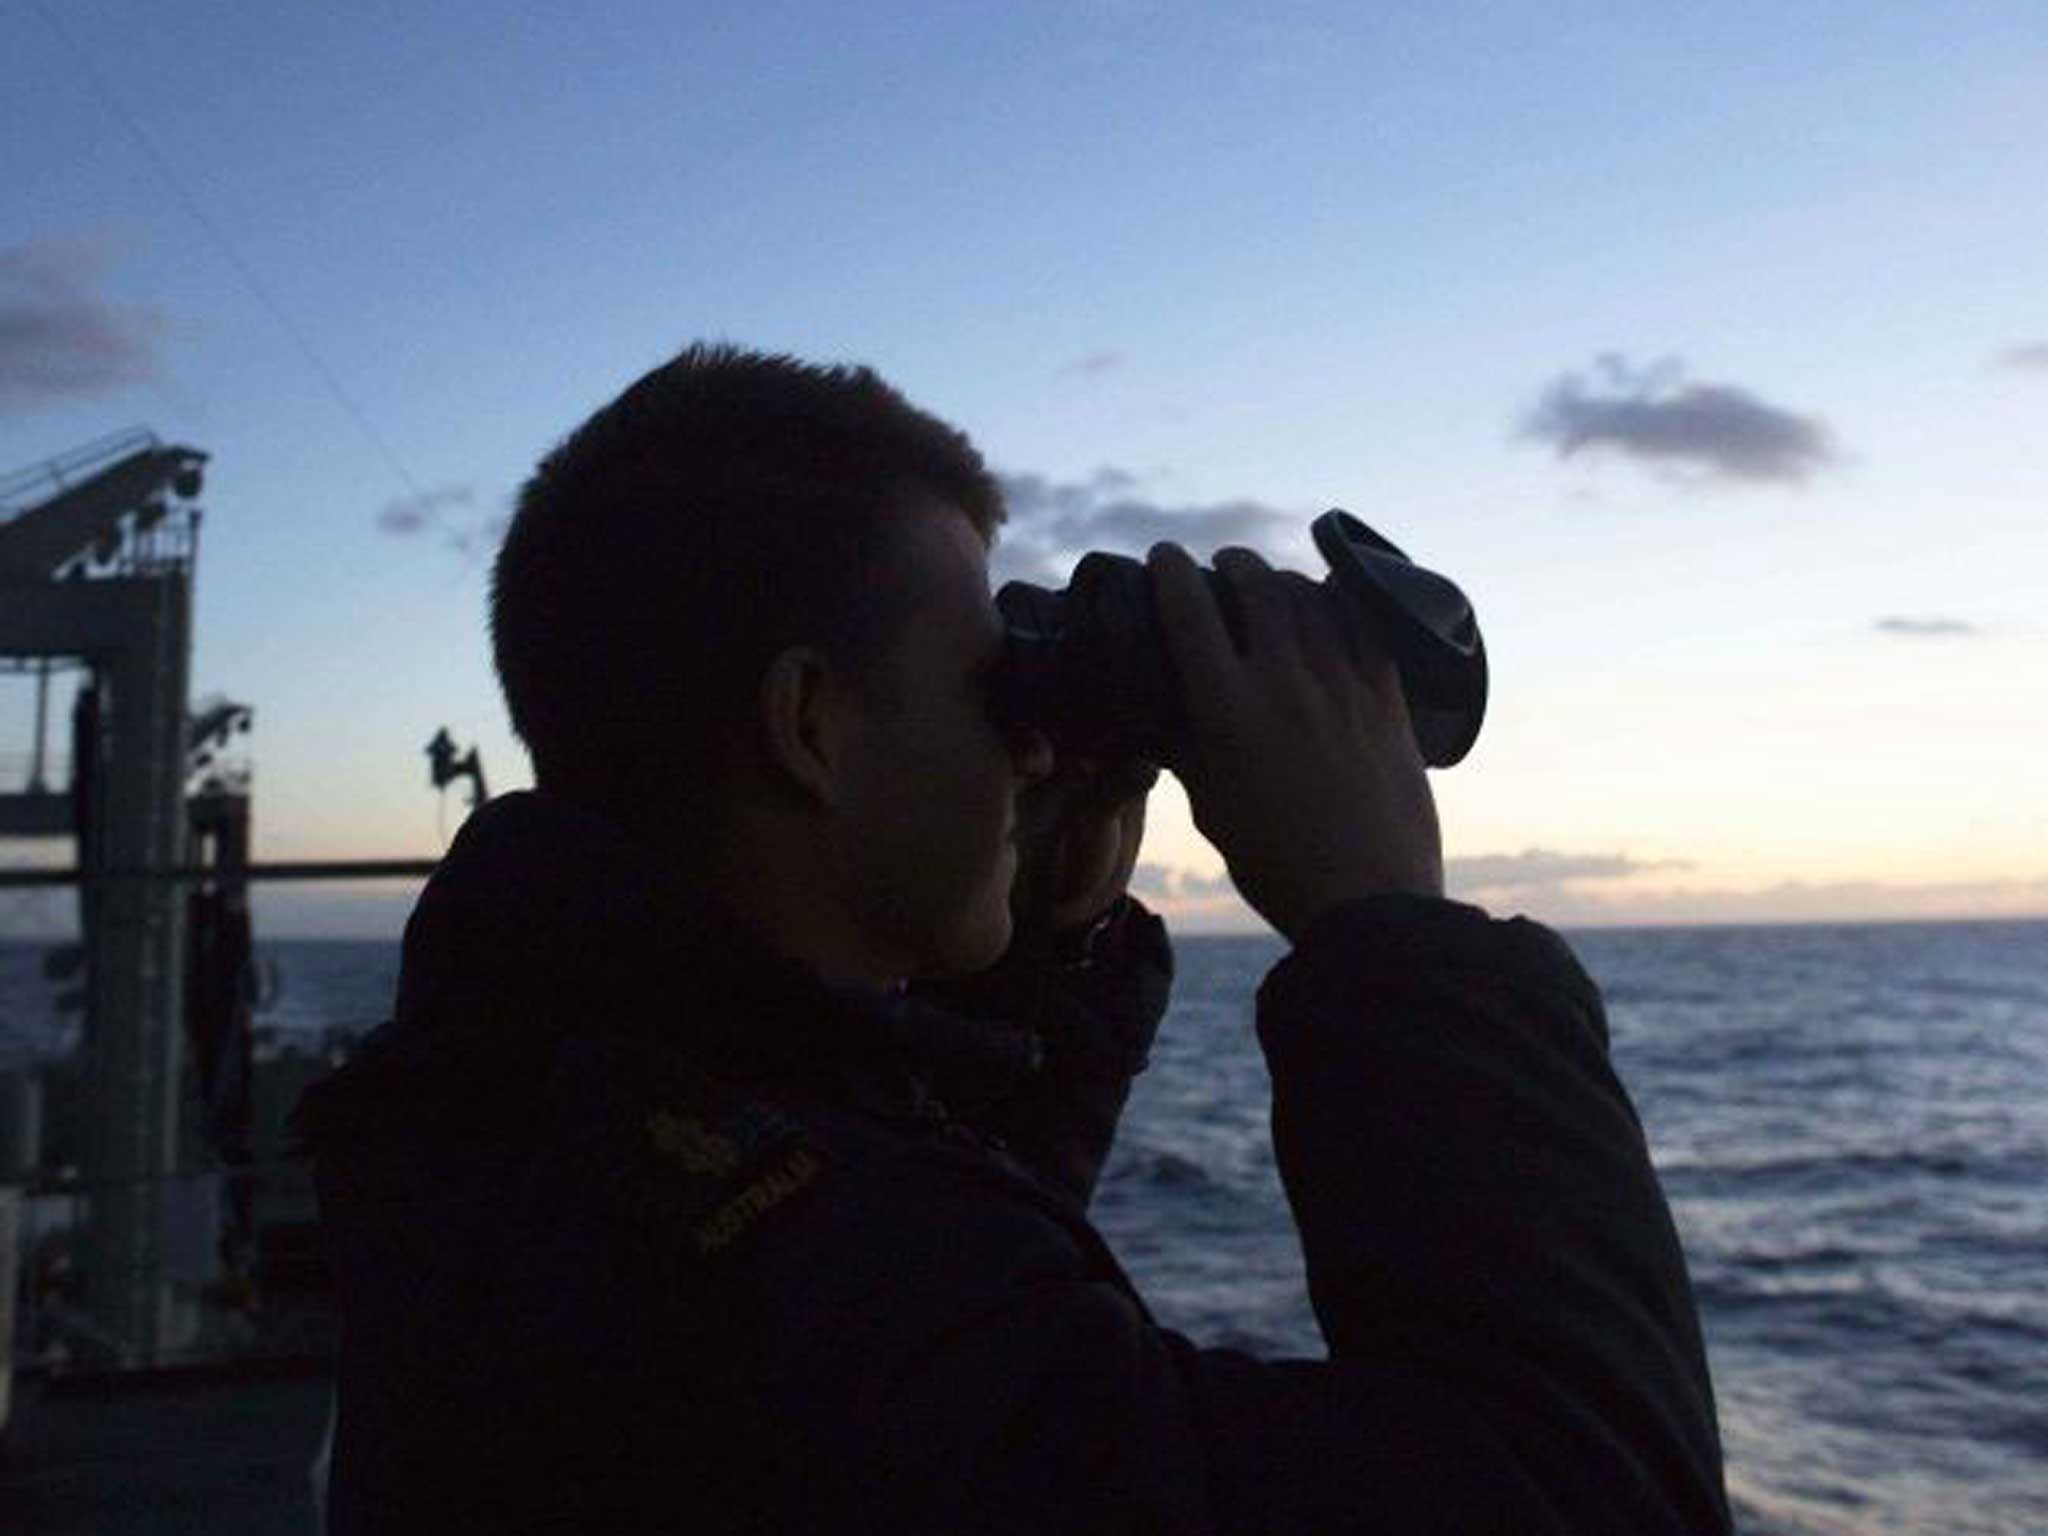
[637, 1227]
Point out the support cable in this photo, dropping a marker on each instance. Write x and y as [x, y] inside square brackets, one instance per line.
[161, 163]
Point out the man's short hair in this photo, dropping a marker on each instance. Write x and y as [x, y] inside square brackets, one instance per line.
[727, 505]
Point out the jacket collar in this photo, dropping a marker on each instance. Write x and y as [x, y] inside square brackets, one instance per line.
[563, 921]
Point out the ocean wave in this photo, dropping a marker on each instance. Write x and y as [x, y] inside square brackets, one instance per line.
[1874, 1166]
[1168, 1170]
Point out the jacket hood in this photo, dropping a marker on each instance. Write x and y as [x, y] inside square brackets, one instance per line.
[544, 923]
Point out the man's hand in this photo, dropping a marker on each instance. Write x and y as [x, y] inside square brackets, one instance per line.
[1300, 764]
[1077, 842]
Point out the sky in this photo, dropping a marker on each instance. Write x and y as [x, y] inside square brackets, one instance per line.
[1706, 347]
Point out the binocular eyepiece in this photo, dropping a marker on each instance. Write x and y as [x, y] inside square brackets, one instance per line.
[1088, 666]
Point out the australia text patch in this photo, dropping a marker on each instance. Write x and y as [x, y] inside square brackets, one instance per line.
[728, 1161]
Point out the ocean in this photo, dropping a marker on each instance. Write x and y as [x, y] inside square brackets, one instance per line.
[1851, 1122]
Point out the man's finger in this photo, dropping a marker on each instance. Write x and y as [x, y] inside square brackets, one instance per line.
[1358, 638]
[1120, 782]
[1330, 646]
[1196, 640]
[1265, 608]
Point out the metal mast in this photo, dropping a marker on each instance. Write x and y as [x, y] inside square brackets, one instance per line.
[96, 558]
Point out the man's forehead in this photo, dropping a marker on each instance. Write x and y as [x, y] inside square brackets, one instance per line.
[944, 561]
[936, 591]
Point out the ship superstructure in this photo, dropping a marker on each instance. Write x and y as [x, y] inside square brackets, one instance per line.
[179, 1283]
[97, 556]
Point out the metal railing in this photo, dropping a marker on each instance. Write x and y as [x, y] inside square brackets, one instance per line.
[200, 874]
[243, 1277]
[15, 768]
[23, 488]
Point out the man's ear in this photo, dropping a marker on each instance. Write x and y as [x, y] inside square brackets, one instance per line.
[804, 720]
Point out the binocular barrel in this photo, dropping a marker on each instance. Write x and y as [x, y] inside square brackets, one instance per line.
[1088, 665]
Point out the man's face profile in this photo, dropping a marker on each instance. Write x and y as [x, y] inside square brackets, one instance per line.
[933, 782]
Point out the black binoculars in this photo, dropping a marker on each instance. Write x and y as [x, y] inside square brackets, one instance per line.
[1087, 665]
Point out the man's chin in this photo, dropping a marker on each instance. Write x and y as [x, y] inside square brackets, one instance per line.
[975, 950]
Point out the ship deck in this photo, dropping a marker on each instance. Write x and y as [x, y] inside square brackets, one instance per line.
[221, 1450]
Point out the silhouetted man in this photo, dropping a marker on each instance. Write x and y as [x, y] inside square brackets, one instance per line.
[725, 1165]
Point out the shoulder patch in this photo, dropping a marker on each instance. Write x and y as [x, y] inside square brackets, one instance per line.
[759, 1197]
[728, 1160]
[684, 1139]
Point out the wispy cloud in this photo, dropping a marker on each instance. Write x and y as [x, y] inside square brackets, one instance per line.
[1591, 890]
[1093, 365]
[1168, 885]
[1052, 524]
[60, 338]
[1930, 628]
[2030, 356]
[455, 512]
[1534, 876]
[405, 515]
[1849, 901]
[1655, 415]
[1538, 867]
